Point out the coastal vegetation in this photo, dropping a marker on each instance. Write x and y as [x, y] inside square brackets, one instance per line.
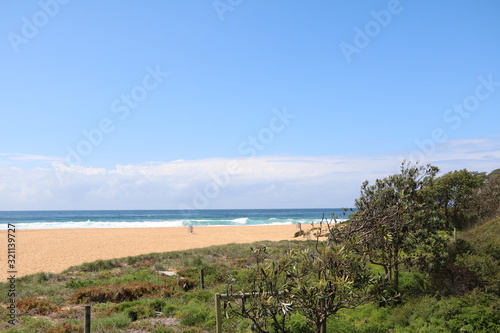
[421, 253]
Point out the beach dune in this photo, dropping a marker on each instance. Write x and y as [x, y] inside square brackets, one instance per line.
[54, 250]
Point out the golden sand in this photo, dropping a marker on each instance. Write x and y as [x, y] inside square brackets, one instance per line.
[54, 250]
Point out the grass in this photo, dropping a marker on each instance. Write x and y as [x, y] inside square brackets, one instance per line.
[129, 293]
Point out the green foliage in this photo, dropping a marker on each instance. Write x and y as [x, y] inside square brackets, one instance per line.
[298, 324]
[413, 284]
[169, 309]
[485, 238]
[470, 262]
[141, 309]
[195, 314]
[454, 194]
[483, 257]
[117, 321]
[37, 278]
[139, 312]
[203, 296]
[75, 284]
[488, 199]
[158, 304]
[96, 266]
[315, 283]
[474, 313]
[393, 219]
[32, 324]
[470, 313]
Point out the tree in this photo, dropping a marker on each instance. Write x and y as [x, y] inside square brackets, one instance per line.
[455, 194]
[266, 303]
[326, 281]
[393, 216]
[488, 198]
[314, 282]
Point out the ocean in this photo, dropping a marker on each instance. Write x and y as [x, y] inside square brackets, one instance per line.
[164, 218]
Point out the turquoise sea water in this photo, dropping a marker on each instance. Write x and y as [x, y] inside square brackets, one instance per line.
[164, 218]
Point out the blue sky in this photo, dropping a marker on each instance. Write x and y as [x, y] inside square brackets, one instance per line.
[148, 104]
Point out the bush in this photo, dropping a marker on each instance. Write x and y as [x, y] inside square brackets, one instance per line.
[412, 284]
[169, 309]
[203, 296]
[119, 320]
[141, 309]
[139, 312]
[37, 278]
[157, 304]
[193, 314]
[35, 324]
[114, 293]
[72, 327]
[186, 283]
[74, 284]
[97, 266]
[36, 306]
[298, 324]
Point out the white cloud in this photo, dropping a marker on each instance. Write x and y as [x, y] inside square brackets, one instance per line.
[30, 158]
[259, 182]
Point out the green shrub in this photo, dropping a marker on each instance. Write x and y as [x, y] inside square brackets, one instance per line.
[74, 284]
[412, 284]
[194, 314]
[157, 304]
[119, 320]
[163, 330]
[203, 296]
[339, 326]
[32, 324]
[36, 278]
[97, 266]
[139, 312]
[298, 324]
[169, 309]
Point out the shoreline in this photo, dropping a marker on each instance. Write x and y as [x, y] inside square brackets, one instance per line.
[54, 250]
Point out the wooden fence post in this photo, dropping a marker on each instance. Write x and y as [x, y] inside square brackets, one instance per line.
[87, 318]
[202, 278]
[218, 314]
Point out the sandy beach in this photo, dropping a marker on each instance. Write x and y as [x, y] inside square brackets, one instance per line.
[54, 250]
